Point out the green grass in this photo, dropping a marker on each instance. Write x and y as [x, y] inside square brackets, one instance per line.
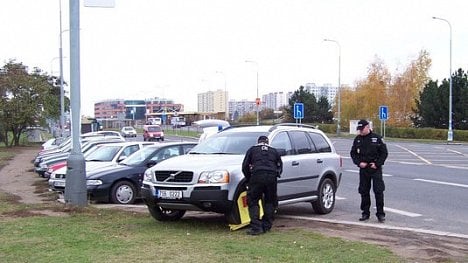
[105, 235]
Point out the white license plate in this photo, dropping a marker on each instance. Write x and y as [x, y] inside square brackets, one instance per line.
[169, 194]
[59, 183]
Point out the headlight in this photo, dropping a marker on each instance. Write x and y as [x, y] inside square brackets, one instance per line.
[212, 177]
[93, 182]
[148, 176]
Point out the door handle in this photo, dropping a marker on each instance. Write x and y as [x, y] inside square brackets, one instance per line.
[295, 163]
[319, 161]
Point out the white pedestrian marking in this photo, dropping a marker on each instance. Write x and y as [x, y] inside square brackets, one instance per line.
[401, 212]
[413, 153]
[440, 182]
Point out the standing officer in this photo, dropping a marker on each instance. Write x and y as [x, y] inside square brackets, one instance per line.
[369, 153]
[261, 166]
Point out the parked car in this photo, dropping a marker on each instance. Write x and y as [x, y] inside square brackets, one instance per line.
[121, 183]
[153, 132]
[209, 178]
[42, 162]
[128, 131]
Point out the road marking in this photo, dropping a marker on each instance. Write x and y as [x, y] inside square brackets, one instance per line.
[413, 153]
[340, 198]
[457, 152]
[440, 182]
[356, 171]
[401, 212]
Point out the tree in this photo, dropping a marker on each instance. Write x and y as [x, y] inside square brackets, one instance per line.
[310, 104]
[432, 107]
[405, 89]
[24, 95]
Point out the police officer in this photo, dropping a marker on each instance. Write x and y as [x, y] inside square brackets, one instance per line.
[261, 166]
[369, 153]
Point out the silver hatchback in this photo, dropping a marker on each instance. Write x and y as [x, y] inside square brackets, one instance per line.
[209, 178]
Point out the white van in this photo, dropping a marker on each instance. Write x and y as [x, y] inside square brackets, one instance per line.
[154, 121]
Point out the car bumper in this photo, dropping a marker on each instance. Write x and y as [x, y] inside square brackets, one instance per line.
[209, 198]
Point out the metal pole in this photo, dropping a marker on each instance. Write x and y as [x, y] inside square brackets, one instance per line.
[62, 115]
[338, 125]
[75, 187]
[450, 130]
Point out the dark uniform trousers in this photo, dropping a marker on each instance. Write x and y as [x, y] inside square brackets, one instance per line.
[366, 177]
[262, 184]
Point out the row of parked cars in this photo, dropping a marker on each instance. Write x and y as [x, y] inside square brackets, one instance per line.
[114, 167]
[176, 177]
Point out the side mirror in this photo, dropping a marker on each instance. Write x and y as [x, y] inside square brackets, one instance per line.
[121, 158]
[151, 163]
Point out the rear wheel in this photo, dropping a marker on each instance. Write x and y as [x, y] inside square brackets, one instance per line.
[162, 214]
[326, 197]
[123, 192]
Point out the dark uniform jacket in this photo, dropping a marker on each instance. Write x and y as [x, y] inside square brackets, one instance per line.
[370, 149]
[262, 158]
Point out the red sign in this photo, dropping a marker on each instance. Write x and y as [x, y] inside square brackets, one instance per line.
[257, 101]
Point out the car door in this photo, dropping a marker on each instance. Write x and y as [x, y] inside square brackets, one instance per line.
[287, 183]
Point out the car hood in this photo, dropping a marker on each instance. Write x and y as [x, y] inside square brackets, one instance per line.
[201, 162]
[113, 169]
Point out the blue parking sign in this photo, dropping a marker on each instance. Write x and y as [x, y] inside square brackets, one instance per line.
[383, 113]
[298, 111]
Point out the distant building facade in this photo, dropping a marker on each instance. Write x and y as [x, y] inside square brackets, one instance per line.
[276, 100]
[212, 101]
[326, 91]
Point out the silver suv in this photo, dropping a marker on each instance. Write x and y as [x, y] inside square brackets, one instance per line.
[209, 178]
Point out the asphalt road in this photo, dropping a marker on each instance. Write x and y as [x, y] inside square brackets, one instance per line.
[426, 188]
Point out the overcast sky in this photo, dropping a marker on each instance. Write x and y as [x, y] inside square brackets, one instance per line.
[179, 48]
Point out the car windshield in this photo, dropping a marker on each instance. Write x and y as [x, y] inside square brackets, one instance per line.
[154, 128]
[103, 154]
[227, 143]
[139, 156]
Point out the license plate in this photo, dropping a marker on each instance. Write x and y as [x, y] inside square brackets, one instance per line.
[59, 183]
[169, 194]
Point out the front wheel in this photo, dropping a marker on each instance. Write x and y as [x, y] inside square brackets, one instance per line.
[123, 192]
[326, 197]
[162, 214]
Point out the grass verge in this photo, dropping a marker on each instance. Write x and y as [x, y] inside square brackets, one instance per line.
[30, 234]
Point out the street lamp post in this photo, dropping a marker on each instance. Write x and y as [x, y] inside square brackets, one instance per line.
[62, 117]
[338, 125]
[257, 100]
[450, 130]
[225, 96]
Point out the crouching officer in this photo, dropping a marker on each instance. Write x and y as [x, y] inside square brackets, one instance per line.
[261, 166]
[369, 153]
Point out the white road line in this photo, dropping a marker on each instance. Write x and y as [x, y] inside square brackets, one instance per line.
[413, 153]
[340, 198]
[440, 182]
[457, 152]
[356, 171]
[401, 212]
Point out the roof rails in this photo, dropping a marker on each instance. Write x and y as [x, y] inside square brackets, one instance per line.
[292, 125]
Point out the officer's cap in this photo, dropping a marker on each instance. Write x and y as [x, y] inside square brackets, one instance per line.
[263, 139]
[361, 124]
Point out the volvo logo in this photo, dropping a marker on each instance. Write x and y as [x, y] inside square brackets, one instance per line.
[172, 176]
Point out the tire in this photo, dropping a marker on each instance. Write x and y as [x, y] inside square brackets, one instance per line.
[233, 216]
[123, 192]
[326, 197]
[161, 214]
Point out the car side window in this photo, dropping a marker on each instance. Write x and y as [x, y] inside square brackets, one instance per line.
[129, 150]
[301, 143]
[320, 143]
[282, 141]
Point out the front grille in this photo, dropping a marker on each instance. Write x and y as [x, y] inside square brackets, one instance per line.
[60, 176]
[174, 176]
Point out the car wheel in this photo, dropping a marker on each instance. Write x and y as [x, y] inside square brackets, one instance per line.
[162, 214]
[123, 192]
[326, 197]
[233, 216]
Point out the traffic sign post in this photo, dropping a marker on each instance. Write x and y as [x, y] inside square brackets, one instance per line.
[298, 112]
[383, 116]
